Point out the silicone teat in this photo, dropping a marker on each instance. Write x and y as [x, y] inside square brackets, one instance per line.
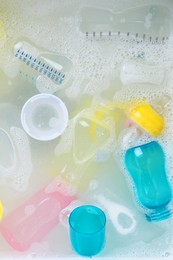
[1, 210]
[145, 116]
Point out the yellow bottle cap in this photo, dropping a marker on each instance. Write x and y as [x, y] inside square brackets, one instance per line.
[147, 118]
[1, 210]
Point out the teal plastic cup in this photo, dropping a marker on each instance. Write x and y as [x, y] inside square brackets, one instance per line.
[87, 230]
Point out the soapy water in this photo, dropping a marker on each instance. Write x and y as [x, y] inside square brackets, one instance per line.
[16, 163]
[85, 150]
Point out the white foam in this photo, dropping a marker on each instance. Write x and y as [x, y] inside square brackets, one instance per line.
[8, 165]
[24, 169]
[114, 211]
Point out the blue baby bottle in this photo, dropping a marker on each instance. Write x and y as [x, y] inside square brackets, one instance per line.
[146, 166]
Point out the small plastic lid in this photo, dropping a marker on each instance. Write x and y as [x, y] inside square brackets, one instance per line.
[44, 117]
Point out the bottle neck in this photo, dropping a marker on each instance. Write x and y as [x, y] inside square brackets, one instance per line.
[159, 214]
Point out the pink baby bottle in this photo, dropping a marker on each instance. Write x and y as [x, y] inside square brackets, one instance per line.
[30, 222]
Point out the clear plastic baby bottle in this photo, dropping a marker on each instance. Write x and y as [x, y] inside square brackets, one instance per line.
[144, 21]
[41, 65]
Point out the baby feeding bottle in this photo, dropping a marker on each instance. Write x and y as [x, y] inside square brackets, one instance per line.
[30, 222]
[88, 135]
[146, 166]
[48, 69]
[143, 21]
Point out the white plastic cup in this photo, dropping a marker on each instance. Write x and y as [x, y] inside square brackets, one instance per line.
[44, 117]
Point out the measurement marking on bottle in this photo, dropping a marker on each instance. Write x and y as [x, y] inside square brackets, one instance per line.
[137, 36]
[41, 67]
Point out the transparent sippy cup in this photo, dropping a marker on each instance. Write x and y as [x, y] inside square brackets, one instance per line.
[86, 138]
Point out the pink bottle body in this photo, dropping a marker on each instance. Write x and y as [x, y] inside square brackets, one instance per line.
[30, 222]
